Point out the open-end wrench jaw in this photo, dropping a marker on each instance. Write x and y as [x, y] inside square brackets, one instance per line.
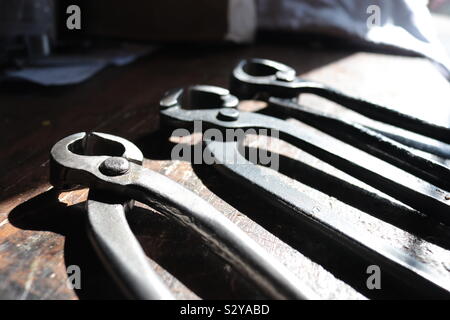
[77, 159]
[199, 97]
[256, 77]
[180, 107]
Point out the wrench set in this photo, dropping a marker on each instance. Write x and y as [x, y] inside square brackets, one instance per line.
[407, 170]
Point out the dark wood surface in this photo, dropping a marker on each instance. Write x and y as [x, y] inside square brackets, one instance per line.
[42, 232]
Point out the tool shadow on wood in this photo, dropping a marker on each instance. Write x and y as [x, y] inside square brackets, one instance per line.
[338, 258]
[46, 214]
[377, 206]
[322, 251]
[328, 252]
[187, 258]
[202, 271]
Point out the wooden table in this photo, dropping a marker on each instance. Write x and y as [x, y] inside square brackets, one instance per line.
[42, 232]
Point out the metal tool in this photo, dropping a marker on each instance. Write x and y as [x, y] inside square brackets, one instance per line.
[180, 108]
[368, 140]
[387, 178]
[112, 168]
[272, 80]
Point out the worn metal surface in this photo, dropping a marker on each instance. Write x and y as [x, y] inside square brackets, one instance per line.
[119, 250]
[405, 187]
[81, 159]
[40, 237]
[253, 77]
[230, 160]
[269, 80]
[370, 141]
[74, 158]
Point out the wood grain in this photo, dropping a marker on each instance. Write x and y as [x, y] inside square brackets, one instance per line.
[42, 232]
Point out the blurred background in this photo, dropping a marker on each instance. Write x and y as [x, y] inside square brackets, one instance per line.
[440, 6]
[35, 33]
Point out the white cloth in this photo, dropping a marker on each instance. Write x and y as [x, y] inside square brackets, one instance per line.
[405, 24]
[241, 21]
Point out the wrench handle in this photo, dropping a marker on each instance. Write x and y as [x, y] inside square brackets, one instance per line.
[224, 237]
[121, 253]
[377, 112]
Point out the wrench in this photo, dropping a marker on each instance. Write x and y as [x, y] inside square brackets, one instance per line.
[253, 77]
[387, 178]
[221, 113]
[112, 168]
